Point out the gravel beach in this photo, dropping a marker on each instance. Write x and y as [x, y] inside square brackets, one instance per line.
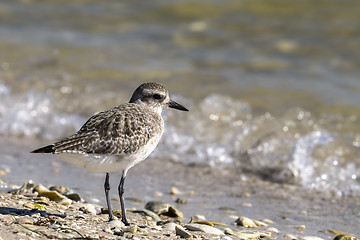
[228, 209]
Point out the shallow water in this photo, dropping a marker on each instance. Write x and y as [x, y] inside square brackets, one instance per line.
[273, 86]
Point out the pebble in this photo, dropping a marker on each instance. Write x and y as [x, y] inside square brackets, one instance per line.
[246, 195]
[163, 208]
[65, 202]
[180, 231]
[88, 208]
[234, 217]
[158, 194]
[52, 195]
[169, 227]
[248, 235]
[337, 232]
[272, 229]
[311, 238]
[249, 205]
[197, 218]
[42, 200]
[205, 223]
[130, 229]
[228, 231]
[149, 213]
[29, 205]
[301, 227]
[260, 223]
[181, 201]
[175, 191]
[204, 228]
[25, 187]
[246, 222]
[73, 196]
[226, 238]
[265, 234]
[36, 215]
[25, 220]
[345, 237]
[7, 219]
[116, 224]
[59, 189]
[290, 237]
[268, 221]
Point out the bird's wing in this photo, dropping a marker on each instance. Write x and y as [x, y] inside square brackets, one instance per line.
[123, 129]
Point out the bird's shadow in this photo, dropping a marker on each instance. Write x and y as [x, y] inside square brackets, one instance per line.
[29, 212]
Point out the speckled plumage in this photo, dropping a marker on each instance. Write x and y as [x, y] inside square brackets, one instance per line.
[113, 140]
[120, 130]
[119, 138]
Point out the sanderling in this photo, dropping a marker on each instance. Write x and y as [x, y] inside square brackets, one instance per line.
[119, 138]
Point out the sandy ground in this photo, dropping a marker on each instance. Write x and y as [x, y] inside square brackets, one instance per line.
[218, 195]
[287, 211]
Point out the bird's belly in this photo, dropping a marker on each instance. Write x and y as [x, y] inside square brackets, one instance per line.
[110, 163]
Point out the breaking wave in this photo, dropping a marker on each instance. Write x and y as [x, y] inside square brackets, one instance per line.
[219, 132]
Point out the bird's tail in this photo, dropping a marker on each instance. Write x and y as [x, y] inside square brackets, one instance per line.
[47, 149]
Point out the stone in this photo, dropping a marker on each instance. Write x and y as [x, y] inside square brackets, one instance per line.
[290, 237]
[163, 208]
[260, 223]
[175, 191]
[301, 227]
[246, 222]
[52, 195]
[197, 218]
[272, 229]
[148, 213]
[204, 228]
[268, 221]
[181, 201]
[73, 196]
[345, 237]
[311, 238]
[180, 231]
[65, 202]
[226, 238]
[88, 208]
[59, 189]
[248, 235]
[25, 220]
[228, 231]
[130, 229]
[170, 227]
[116, 224]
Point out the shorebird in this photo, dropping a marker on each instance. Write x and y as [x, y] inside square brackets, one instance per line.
[119, 138]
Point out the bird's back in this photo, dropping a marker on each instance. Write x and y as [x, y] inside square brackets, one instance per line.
[120, 130]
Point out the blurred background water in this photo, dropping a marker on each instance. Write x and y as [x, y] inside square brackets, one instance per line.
[273, 86]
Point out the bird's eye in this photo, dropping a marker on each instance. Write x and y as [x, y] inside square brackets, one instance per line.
[157, 96]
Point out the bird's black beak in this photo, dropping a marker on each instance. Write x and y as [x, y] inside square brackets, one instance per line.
[177, 106]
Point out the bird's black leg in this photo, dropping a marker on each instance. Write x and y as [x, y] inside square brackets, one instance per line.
[107, 189]
[121, 192]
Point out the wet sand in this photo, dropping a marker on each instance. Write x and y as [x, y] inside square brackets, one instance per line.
[220, 194]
